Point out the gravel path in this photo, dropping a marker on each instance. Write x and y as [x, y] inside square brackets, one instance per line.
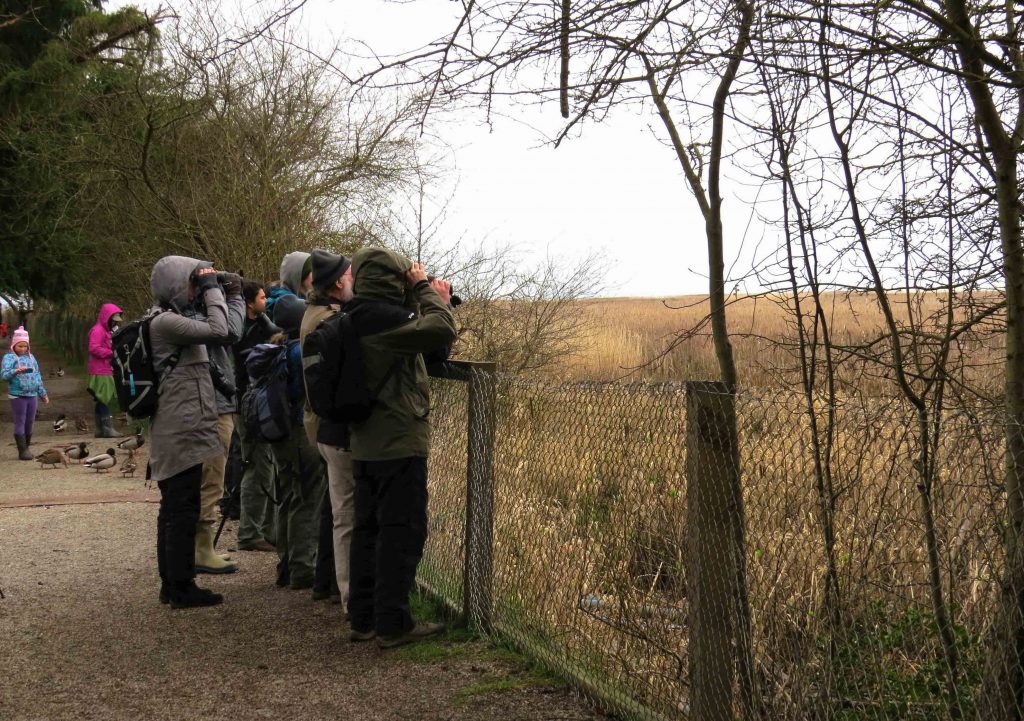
[83, 635]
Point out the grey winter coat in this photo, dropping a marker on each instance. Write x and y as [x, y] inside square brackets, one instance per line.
[221, 357]
[184, 430]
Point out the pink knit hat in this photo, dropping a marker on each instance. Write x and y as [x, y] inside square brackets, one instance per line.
[20, 336]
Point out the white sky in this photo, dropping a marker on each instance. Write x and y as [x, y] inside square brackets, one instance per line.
[616, 189]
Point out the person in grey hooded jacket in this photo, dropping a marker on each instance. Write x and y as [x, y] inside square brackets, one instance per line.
[288, 298]
[183, 431]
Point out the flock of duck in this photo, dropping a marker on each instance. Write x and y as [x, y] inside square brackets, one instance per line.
[60, 455]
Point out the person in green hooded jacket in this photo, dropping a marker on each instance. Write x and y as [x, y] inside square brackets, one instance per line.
[399, 316]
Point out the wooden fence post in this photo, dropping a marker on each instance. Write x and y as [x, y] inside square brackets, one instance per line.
[710, 467]
[479, 566]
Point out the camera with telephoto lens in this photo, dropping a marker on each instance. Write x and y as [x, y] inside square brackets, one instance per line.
[221, 383]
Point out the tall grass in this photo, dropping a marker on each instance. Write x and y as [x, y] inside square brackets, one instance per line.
[640, 338]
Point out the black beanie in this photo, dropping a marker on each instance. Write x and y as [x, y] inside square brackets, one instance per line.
[327, 268]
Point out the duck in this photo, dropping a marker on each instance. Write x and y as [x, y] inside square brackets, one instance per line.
[77, 453]
[51, 457]
[81, 426]
[129, 465]
[60, 423]
[60, 372]
[102, 462]
[133, 442]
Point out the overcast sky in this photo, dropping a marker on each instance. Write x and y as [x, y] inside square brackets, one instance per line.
[616, 189]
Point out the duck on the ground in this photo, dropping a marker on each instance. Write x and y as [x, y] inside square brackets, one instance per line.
[129, 465]
[51, 457]
[77, 453]
[60, 372]
[133, 442]
[102, 462]
[60, 423]
[81, 426]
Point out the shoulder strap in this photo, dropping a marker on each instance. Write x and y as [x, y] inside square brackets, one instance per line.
[387, 377]
[172, 359]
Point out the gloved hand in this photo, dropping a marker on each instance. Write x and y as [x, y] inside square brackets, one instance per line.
[206, 279]
[232, 284]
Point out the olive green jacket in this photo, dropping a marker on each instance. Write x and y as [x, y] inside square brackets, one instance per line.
[399, 426]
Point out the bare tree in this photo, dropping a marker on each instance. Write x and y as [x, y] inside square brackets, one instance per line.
[240, 152]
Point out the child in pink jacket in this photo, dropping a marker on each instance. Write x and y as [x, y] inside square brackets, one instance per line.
[101, 376]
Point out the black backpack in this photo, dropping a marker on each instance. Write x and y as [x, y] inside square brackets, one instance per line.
[265, 408]
[335, 374]
[136, 379]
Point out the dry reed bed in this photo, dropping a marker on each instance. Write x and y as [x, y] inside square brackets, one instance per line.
[627, 333]
[590, 547]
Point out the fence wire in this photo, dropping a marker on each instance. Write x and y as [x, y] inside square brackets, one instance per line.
[870, 554]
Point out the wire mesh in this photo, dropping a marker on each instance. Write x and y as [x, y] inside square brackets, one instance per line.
[862, 583]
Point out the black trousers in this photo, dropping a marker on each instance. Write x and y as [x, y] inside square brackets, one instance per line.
[387, 542]
[176, 525]
[324, 577]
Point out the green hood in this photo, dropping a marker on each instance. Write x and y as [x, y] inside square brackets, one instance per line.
[379, 274]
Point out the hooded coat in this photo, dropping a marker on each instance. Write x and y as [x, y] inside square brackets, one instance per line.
[291, 272]
[286, 303]
[22, 385]
[398, 426]
[100, 348]
[184, 430]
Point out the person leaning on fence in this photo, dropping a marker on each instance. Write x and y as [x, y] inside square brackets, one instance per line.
[301, 478]
[332, 289]
[256, 523]
[390, 448]
[101, 375]
[212, 488]
[20, 370]
[183, 431]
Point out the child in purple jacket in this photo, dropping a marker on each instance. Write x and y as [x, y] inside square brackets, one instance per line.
[24, 387]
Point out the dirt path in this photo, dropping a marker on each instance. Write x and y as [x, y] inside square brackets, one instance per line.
[84, 636]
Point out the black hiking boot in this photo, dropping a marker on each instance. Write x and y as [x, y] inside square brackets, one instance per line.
[189, 595]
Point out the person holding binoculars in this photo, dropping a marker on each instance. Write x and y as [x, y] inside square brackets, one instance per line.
[184, 429]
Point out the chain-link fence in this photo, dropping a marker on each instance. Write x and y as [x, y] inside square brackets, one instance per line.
[603, 541]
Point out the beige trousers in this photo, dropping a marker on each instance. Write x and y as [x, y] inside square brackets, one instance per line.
[212, 488]
[341, 487]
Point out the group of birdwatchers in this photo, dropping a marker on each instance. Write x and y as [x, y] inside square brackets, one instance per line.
[343, 504]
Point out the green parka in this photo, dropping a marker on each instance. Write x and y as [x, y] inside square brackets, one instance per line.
[399, 426]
